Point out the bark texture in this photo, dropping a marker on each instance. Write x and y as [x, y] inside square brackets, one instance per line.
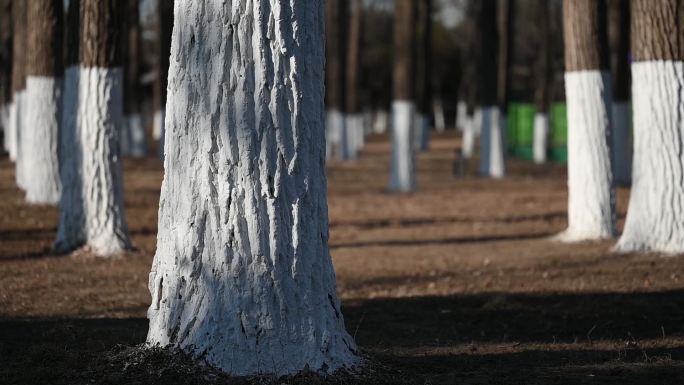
[100, 30]
[404, 50]
[657, 30]
[44, 34]
[242, 275]
[585, 35]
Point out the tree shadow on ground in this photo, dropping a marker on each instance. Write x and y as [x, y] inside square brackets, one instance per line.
[632, 338]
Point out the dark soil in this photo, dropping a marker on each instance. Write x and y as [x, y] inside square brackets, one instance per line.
[458, 283]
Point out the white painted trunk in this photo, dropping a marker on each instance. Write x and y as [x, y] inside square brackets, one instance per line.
[421, 132]
[477, 121]
[160, 127]
[9, 130]
[381, 122]
[4, 120]
[591, 198]
[402, 175]
[158, 124]
[334, 121]
[19, 134]
[655, 218]
[242, 276]
[440, 121]
[492, 143]
[468, 141]
[43, 115]
[135, 136]
[462, 115]
[541, 135]
[622, 143]
[354, 135]
[70, 231]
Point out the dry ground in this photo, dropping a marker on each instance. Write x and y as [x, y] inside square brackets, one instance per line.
[457, 283]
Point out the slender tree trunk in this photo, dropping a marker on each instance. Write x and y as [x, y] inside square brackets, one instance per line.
[165, 25]
[618, 33]
[5, 68]
[354, 118]
[99, 120]
[132, 141]
[336, 50]
[542, 77]
[591, 202]
[242, 275]
[423, 72]
[655, 216]
[18, 86]
[402, 176]
[492, 145]
[45, 75]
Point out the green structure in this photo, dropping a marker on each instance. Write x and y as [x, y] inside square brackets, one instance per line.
[520, 121]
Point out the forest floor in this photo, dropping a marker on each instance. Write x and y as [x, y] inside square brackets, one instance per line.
[459, 283]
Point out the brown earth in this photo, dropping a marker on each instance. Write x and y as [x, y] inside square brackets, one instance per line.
[457, 283]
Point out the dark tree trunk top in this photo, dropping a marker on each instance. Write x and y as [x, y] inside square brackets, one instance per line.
[657, 30]
[101, 24]
[489, 48]
[6, 50]
[18, 46]
[44, 51]
[404, 50]
[354, 56]
[543, 64]
[505, 18]
[131, 51]
[335, 54]
[585, 35]
[165, 31]
[72, 27]
[424, 56]
[618, 37]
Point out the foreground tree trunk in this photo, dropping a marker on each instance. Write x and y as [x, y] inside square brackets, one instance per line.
[99, 118]
[133, 133]
[45, 72]
[335, 51]
[17, 109]
[591, 202]
[542, 77]
[423, 74]
[354, 118]
[492, 143]
[655, 214]
[618, 32]
[402, 175]
[165, 25]
[242, 275]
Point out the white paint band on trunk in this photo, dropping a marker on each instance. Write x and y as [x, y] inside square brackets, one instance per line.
[18, 135]
[43, 118]
[655, 217]
[380, 121]
[492, 142]
[541, 134]
[462, 116]
[622, 143]
[468, 140]
[591, 197]
[402, 174]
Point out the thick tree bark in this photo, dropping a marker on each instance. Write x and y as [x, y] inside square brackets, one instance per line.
[423, 72]
[543, 76]
[354, 130]
[618, 33]
[335, 80]
[655, 214]
[132, 139]
[45, 71]
[98, 119]
[402, 174]
[242, 275]
[165, 25]
[492, 139]
[591, 202]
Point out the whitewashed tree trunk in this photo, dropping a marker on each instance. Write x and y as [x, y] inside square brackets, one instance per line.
[478, 121]
[5, 116]
[591, 198]
[541, 135]
[492, 143]
[402, 176]
[11, 129]
[242, 276]
[622, 143]
[655, 218]
[19, 135]
[468, 140]
[438, 110]
[334, 120]
[462, 115]
[158, 123]
[43, 114]
[380, 122]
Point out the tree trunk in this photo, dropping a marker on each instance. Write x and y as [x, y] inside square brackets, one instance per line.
[542, 77]
[591, 201]
[45, 71]
[99, 119]
[492, 141]
[655, 215]
[353, 141]
[165, 24]
[132, 139]
[242, 275]
[402, 176]
[618, 33]
[17, 108]
[423, 72]
[5, 68]
[336, 51]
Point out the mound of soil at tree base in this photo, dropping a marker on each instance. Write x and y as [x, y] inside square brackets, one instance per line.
[456, 283]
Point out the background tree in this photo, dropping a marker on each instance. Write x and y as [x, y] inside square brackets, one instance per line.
[45, 73]
[591, 203]
[164, 30]
[423, 73]
[353, 140]
[133, 133]
[99, 118]
[242, 275]
[492, 143]
[618, 33]
[5, 68]
[655, 214]
[17, 108]
[336, 50]
[543, 74]
[402, 174]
